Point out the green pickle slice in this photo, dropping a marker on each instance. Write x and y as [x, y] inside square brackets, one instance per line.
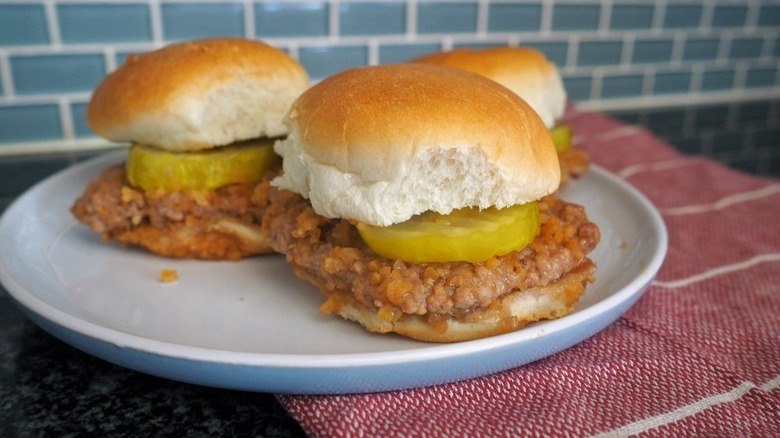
[468, 234]
[242, 163]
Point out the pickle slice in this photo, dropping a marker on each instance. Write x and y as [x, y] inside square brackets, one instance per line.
[467, 234]
[561, 135]
[151, 168]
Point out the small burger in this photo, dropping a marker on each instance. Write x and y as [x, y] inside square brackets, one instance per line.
[201, 118]
[420, 200]
[531, 76]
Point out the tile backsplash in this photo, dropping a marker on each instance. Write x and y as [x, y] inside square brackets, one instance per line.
[628, 57]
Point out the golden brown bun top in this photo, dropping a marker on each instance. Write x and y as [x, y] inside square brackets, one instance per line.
[380, 144]
[523, 70]
[197, 94]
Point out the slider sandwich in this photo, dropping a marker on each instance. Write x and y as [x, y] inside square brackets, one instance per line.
[201, 117]
[531, 76]
[420, 200]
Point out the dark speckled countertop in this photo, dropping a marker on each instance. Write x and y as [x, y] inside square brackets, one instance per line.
[48, 388]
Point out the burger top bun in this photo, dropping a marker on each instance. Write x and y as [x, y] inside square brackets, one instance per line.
[199, 94]
[523, 70]
[381, 144]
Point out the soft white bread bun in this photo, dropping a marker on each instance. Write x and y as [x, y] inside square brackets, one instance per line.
[381, 144]
[523, 70]
[199, 94]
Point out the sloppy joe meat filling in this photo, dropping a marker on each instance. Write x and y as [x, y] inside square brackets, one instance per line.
[331, 254]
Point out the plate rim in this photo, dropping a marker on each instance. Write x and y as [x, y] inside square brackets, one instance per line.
[117, 338]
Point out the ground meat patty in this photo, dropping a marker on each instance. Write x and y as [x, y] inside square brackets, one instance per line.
[220, 224]
[331, 254]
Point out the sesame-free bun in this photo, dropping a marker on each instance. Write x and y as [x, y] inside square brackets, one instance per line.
[381, 144]
[523, 70]
[198, 94]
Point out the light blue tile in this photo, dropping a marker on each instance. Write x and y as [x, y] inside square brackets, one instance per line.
[281, 19]
[56, 73]
[742, 48]
[672, 82]
[682, 16]
[578, 87]
[79, 111]
[23, 25]
[652, 51]
[714, 80]
[393, 53]
[761, 77]
[575, 17]
[769, 15]
[97, 23]
[322, 62]
[507, 17]
[23, 123]
[632, 17]
[698, 49]
[614, 86]
[729, 16]
[557, 52]
[383, 18]
[200, 20]
[436, 17]
[599, 53]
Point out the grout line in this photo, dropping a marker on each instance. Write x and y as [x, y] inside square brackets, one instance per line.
[52, 23]
[66, 119]
[411, 19]
[249, 19]
[482, 17]
[155, 15]
[6, 78]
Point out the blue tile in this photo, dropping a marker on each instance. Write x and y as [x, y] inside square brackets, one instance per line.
[23, 25]
[682, 16]
[372, 18]
[578, 87]
[97, 23]
[24, 123]
[575, 17]
[599, 53]
[56, 73]
[557, 52]
[652, 51]
[274, 19]
[742, 48]
[507, 17]
[699, 49]
[446, 17]
[761, 77]
[632, 16]
[393, 53]
[614, 86]
[322, 62]
[79, 112]
[182, 21]
[768, 137]
[672, 82]
[729, 16]
[713, 80]
[769, 15]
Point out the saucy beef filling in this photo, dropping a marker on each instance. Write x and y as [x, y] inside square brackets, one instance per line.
[331, 254]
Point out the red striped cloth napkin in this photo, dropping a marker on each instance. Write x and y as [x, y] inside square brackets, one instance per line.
[698, 355]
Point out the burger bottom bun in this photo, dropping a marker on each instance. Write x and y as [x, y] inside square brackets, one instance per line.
[221, 239]
[509, 313]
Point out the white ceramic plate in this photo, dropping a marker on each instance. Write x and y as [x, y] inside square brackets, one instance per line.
[252, 325]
